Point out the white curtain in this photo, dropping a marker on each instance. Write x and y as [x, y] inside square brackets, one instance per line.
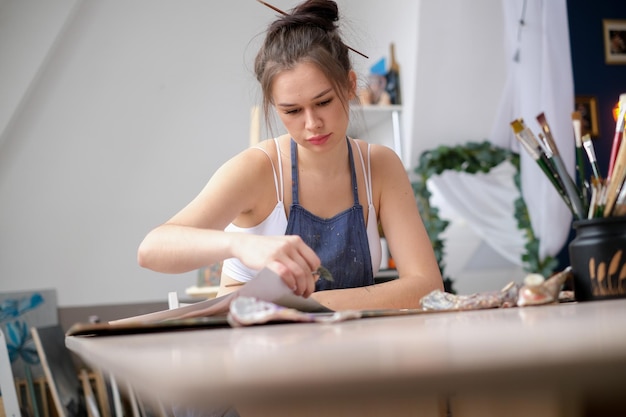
[490, 212]
[539, 79]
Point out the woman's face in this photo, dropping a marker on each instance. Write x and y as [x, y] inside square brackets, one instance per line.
[311, 110]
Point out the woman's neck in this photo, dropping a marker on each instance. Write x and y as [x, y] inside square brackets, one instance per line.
[327, 164]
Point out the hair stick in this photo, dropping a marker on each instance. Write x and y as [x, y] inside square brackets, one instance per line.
[282, 12]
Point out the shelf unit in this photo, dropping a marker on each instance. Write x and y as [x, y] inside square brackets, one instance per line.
[375, 124]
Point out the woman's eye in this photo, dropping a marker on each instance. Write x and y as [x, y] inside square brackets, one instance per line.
[294, 111]
[325, 102]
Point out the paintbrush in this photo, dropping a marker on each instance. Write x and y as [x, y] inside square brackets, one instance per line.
[616, 182]
[547, 154]
[591, 155]
[545, 146]
[617, 138]
[597, 181]
[580, 162]
[594, 198]
[570, 188]
[534, 147]
[620, 205]
[528, 140]
[547, 149]
[601, 209]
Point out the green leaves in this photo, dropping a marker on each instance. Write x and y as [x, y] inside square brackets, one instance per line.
[473, 157]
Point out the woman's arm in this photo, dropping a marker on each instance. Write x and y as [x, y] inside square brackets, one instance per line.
[242, 189]
[194, 236]
[408, 243]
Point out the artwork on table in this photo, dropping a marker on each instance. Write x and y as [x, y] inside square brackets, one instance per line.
[19, 311]
[587, 106]
[614, 41]
[63, 382]
[209, 276]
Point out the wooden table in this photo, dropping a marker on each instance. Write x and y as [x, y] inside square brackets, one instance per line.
[535, 361]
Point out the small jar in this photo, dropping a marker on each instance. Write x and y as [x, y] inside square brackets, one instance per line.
[598, 258]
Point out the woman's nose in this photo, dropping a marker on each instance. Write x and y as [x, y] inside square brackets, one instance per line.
[312, 120]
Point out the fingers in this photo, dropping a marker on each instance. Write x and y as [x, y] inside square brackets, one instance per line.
[288, 256]
[307, 262]
[300, 281]
[296, 267]
[308, 285]
[304, 256]
[305, 286]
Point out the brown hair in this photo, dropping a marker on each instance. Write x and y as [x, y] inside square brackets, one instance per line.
[308, 33]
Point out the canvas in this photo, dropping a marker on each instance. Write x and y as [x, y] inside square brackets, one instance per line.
[19, 311]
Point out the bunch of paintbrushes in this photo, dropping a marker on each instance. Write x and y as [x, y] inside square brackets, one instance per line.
[545, 152]
[616, 188]
[597, 197]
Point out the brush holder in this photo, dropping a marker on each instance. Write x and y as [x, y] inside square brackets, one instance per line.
[598, 258]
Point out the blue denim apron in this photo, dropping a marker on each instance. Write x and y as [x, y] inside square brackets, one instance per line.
[340, 241]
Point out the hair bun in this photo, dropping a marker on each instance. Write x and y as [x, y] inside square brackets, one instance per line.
[321, 13]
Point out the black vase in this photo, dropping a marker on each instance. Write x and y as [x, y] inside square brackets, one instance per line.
[597, 258]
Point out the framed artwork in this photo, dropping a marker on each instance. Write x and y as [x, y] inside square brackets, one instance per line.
[588, 108]
[614, 41]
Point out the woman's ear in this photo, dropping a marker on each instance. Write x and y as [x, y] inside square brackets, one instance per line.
[352, 80]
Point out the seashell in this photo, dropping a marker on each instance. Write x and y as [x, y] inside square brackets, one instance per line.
[537, 291]
[533, 280]
[247, 311]
[441, 300]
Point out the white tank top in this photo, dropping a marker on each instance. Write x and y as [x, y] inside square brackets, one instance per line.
[275, 223]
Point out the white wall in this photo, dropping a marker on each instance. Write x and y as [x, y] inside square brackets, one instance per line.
[459, 79]
[28, 30]
[460, 72]
[127, 113]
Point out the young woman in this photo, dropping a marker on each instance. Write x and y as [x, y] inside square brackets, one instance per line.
[296, 202]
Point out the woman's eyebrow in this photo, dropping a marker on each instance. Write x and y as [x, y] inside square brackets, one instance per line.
[323, 93]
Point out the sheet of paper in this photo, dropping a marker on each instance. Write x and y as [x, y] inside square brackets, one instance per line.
[266, 286]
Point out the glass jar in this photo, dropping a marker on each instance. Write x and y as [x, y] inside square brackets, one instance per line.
[597, 258]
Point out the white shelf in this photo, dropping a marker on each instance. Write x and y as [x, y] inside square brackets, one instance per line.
[383, 109]
[378, 124]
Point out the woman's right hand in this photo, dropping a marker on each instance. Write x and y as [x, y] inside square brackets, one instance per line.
[288, 256]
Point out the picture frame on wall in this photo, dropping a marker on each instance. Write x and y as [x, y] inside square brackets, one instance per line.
[587, 106]
[614, 41]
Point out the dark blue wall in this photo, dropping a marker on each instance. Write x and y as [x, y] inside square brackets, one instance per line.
[592, 76]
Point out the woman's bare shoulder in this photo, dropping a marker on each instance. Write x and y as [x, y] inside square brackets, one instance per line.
[270, 147]
[379, 154]
[254, 158]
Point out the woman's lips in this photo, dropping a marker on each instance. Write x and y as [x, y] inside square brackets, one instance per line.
[318, 140]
